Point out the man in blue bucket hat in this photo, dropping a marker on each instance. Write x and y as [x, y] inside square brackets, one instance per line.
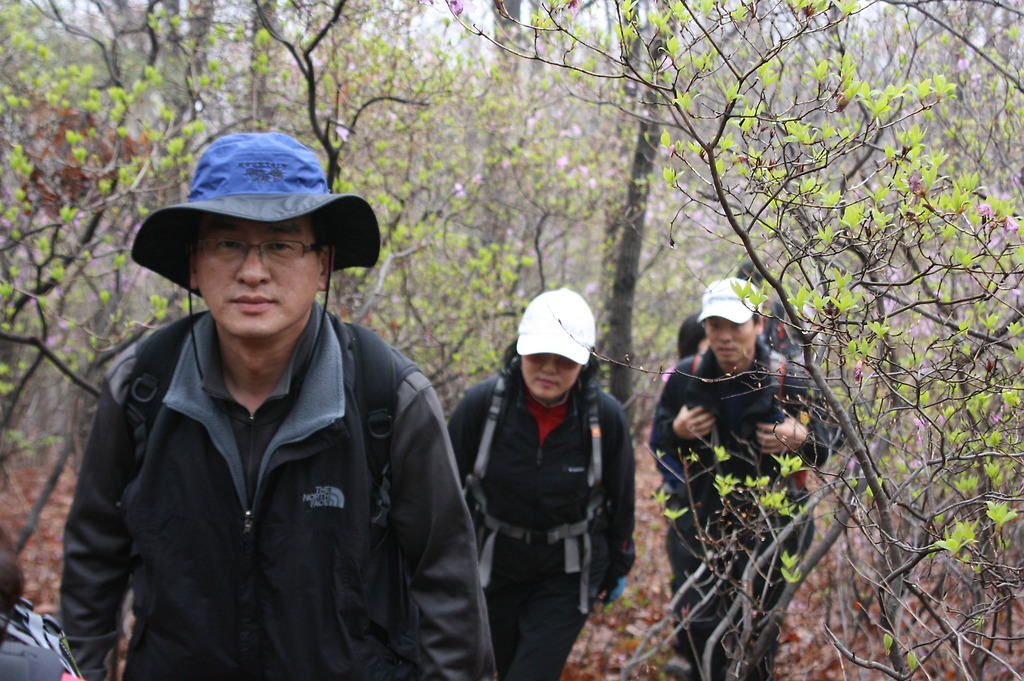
[277, 514]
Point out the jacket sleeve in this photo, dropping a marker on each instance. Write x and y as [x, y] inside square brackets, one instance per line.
[619, 474]
[96, 542]
[671, 447]
[436, 535]
[799, 400]
[669, 475]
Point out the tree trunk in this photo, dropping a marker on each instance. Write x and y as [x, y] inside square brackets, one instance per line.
[627, 235]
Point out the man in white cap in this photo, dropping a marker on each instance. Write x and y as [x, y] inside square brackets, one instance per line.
[726, 420]
[273, 519]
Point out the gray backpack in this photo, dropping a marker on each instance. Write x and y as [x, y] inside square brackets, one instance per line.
[30, 629]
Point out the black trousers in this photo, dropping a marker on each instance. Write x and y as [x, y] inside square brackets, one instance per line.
[533, 626]
[686, 555]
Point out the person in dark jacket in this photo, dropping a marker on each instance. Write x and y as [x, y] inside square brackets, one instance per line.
[691, 341]
[727, 422]
[244, 525]
[550, 476]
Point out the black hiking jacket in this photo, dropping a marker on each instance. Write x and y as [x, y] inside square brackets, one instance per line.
[289, 588]
[539, 488]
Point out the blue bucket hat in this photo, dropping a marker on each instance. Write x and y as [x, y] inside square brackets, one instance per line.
[264, 177]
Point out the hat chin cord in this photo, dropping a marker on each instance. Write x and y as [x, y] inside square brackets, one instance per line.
[323, 313]
[319, 328]
[192, 334]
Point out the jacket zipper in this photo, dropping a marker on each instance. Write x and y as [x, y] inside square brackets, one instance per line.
[248, 519]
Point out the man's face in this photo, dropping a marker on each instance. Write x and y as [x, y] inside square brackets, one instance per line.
[733, 344]
[257, 299]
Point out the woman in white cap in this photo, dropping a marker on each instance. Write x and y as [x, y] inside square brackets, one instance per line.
[548, 462]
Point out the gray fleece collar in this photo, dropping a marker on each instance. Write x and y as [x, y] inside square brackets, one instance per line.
[320, 403]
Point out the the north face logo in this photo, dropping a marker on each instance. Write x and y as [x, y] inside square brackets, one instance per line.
[325, 496]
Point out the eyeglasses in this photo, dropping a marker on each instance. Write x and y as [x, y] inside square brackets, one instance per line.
[232, 252]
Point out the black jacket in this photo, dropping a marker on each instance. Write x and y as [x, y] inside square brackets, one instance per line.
[764, 400]
[282, 589]
[539, 488]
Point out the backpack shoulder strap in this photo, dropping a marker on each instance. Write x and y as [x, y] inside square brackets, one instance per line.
[376, 386]
[483, 452]
[155, 360]
[595, 473]
[472, 485]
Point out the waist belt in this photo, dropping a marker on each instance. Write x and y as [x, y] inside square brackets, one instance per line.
[573, 534]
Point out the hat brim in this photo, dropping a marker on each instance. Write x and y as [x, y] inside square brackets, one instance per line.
[344, 221]
[536, 344]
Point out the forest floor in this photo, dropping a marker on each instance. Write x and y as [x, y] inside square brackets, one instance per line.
[608, 642]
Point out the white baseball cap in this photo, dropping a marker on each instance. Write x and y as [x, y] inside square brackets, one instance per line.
[721, 299]
[559, 322]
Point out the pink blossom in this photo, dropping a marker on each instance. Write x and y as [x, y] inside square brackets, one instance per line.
[562, 162]
[1011, 223]
[458, 190]
[985, 211]
[914, 181]
[456, 6]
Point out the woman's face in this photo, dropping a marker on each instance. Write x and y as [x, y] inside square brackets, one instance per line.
[549, 376]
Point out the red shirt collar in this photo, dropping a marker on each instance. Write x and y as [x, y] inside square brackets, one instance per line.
[548, 418]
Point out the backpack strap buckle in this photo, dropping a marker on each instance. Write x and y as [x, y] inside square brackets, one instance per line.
[379, 424]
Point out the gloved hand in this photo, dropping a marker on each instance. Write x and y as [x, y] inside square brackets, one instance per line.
[613, 593]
